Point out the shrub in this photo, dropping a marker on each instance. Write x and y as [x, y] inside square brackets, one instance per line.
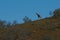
[26, 19]
[8, 24]
[57, 12]
[2, 24]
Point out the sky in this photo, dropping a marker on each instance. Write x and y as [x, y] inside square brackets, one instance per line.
[11, 10]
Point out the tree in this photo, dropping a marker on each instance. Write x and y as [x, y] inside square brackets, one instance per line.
[8, 24]
[51, 13]
[2, 24]
[14, 22]
[26, 19]
[57, 12]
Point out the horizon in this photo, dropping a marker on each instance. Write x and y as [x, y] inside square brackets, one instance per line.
[11, 10]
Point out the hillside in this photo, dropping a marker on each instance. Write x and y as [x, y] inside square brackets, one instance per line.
[43, 29]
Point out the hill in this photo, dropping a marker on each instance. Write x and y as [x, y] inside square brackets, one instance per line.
[43, 29]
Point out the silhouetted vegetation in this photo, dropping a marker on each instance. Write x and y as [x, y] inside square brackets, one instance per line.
[57, 13]
[26, 19]
[43, 29]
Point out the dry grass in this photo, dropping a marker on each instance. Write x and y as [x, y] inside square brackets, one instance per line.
[44, 29]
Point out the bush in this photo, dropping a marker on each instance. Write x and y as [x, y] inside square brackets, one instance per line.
[2, 24]
[57, 12]
[26, 19]
[8, 24]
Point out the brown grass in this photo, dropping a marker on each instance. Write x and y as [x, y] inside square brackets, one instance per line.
[44, 29]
